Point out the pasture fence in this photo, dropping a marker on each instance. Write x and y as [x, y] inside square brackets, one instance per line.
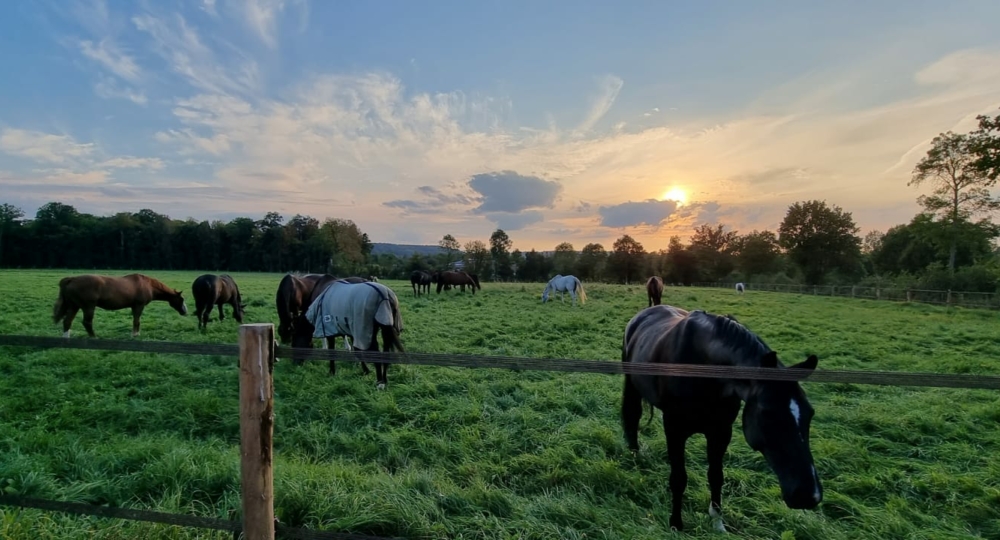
[257, 353]
[948, 297]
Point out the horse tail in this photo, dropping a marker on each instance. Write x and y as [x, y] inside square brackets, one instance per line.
[59, 309]
[284, 313]
[580, 291]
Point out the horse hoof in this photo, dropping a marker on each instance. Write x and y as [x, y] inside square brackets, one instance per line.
[380, 386]
[66, 334]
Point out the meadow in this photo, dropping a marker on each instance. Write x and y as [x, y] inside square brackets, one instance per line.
[489, 454]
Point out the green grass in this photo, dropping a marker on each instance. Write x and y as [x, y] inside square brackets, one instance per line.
[479, 453]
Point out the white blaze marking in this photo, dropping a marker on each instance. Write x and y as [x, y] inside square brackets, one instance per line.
[794, 407]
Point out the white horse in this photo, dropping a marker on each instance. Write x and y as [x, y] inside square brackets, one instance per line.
[739, 288]
[565, 284]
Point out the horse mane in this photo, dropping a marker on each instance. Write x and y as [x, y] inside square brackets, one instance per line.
[158, 285]
[728, 332]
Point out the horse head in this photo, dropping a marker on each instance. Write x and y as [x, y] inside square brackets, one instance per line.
[776, 423]
[240, 311]
[177, 302]
[302, 332]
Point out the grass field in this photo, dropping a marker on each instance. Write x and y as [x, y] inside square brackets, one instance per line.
[463, 453]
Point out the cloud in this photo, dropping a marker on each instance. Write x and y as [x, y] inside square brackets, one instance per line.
[108, 88]
[515, 221]
[435, 202]
[631, 214]
[260, 15]
[106, 53]
[129, 162]
[43, 147]
[610, 85]
[507, 191]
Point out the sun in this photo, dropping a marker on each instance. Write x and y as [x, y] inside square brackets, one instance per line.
[675, 194]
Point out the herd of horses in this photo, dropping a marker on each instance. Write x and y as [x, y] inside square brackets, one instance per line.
[776, 413]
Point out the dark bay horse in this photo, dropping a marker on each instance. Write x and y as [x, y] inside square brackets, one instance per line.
[89, 291]
[292, 299]
[211, 290]
[654, 290]
[420, 281]
[776, 418]
[358, 309]
[457, 279]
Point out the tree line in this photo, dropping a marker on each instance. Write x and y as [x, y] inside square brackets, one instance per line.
[949, 244]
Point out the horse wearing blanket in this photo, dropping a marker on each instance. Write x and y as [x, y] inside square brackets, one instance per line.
[358, 311]
[775, 420]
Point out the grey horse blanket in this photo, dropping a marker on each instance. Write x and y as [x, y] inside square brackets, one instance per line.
[351, 309]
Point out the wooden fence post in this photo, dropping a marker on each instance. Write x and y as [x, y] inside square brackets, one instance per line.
[909, 295]
[256, 430]
[854, 288]
[948, 300]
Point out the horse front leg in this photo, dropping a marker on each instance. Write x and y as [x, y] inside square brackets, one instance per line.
[329, 343]
[678, 472]
[716, 444]
[136, 315]
[222, 314]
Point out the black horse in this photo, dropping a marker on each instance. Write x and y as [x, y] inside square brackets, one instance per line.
[210, 290]
[775, 420]
[420, 281]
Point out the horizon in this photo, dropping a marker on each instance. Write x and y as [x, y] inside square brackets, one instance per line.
[576, 122]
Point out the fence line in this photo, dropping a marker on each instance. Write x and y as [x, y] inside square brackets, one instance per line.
[258, 352]
[894, 294]
[612, 367]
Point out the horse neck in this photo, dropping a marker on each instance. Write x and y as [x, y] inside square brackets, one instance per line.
[160, 290]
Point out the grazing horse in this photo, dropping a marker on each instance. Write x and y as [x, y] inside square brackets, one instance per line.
[453, 278]
[740, 288]
[775, 421]
[358, 310]
[373, 279]
[654, 290]
[89, 291]
[212, 290]
[292, 300]
[420, 280]
[565, 284]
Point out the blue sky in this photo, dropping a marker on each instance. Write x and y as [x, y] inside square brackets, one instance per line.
[576, 121]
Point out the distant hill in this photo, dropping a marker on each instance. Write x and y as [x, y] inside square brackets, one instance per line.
[404, 250]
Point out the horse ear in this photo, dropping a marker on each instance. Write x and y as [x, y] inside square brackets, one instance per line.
[769, 360]
[808, 363]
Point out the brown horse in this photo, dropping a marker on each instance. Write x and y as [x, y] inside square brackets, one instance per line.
[88, 292]
[212, 290]
[292, 300]
[654, 290]
[459, 279]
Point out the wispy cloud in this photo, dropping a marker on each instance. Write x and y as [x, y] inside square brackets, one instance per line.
[610, 86]
[43, 147]
[106, 53]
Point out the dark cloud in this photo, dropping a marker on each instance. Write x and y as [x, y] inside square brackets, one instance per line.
[702, 212]
[583, 207]
[630, 214]
[507, 191]
[513, 221]
[435, 202]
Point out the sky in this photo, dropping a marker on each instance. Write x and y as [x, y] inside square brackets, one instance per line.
[574, 121]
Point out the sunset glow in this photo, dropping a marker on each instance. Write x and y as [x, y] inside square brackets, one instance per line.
[675, 194]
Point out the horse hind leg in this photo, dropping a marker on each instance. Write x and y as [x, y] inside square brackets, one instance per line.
[68, 320]
[678, 473]
[88, 320]
[631, 414]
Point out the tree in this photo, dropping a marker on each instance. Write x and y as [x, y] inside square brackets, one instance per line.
[960, 188]
[590, 264]
[820, 238]
[757, 253]
[984, 145]
[626, 258]
[564, 258]
[500, 245]
[714, 248]
[537, 267]
[682, 263]
[477, 257]
[9, 214]
[450, 246]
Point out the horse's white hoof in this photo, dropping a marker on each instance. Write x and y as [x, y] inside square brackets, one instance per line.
[380, 386]
[66, 334]
[717, 523]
